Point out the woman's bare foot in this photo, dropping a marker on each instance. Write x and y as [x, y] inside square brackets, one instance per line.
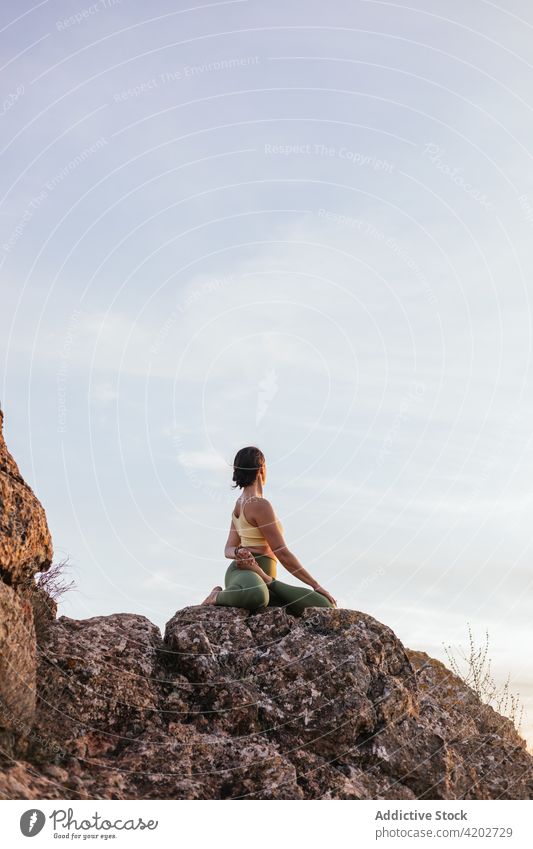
[212, 597]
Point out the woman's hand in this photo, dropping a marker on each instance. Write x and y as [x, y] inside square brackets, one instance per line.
[245, 559]
[322, 591]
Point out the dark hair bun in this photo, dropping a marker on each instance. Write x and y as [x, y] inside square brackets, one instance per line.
[246, 466]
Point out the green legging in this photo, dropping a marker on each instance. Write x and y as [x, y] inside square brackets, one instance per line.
[244, 588]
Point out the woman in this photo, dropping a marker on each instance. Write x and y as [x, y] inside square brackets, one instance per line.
[255, 540]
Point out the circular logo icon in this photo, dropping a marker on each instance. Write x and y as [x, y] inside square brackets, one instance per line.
[31, 822]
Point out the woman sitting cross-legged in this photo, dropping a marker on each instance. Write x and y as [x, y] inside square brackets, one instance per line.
[255, 541]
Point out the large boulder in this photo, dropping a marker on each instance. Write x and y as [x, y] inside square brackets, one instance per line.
[98, 687]
[293, 677]
[25, 542]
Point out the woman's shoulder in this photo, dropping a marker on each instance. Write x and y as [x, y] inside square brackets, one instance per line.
[261, 504]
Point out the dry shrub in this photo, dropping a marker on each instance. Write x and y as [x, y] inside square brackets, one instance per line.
[53, 581]
[43, 594]
[473, 667]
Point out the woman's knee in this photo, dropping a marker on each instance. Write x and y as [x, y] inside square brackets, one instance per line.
[321, 601]
[256, 597]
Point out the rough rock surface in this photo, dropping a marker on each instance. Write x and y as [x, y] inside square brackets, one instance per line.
[97, 684]
[238, 705]
[487, 757]
[227, 704]
[25, 542]
[17, 669]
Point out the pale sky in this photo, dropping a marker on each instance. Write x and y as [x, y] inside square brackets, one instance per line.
[306, 227]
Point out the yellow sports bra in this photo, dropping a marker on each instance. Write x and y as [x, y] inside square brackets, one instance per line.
[250, 534]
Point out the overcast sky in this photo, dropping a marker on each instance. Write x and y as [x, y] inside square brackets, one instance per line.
[242, 223]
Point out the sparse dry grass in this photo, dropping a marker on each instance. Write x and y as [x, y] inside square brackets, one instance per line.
[473, 667]
[48, 587]
[53, 581]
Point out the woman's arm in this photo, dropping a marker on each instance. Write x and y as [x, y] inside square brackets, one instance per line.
[232, 542]
[266, 520]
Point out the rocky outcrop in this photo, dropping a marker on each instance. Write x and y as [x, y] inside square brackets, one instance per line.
[98, 685]
[232, 704]
[25, 542]
[25, 548]
[486, 757]
[17, 670]
[237, 705]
